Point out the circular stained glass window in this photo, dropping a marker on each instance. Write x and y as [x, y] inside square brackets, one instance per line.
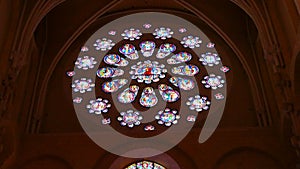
[145, 165]
[143, 73]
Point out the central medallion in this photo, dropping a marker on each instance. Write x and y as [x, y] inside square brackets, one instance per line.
[148, 71]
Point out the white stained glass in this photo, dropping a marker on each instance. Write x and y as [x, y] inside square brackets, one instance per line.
[210, 45]
[210, 59]
[187, 70]
[129, 51]
[70, 73]
[149, 128]
[148, 97]
[163, 33]
[129, 94]
[83, 85]
[212, 81]
[182, 83]
[85, 62]
[147, 48]
[103, 44]
[224, 69]
[98, 106]
[219, 96]
[147, 25]
[198, 103]
[77, 100]
[167, 117]
[131, 34]
[191, 118]
[165, 50]
[114, 85]
[108, 72]
[145, 165]
[168, 94]
[112, 33]
[148, 71]
[130, 118]
[191, 42]
[182, 30]
[84, 49]
[181, 57]
[116, 60]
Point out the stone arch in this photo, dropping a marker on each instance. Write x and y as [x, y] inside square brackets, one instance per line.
[247, 158]
[167, 159]
[297, 77]
[46, 162]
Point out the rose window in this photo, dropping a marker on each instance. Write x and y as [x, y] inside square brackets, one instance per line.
[146, 68]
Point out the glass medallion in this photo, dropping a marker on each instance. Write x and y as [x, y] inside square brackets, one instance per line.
[84, 49]
[167, 117]
[115, 60]
[130, 118]
[98, 106]
[83, 85]
[77, 100]
[108, 72]
[219, 96]
[191, 42]
[123, 63]
[85, 62]
[212, 81]
[163, 33]
[148, 97]
[224, 69]
[106, 121]
[191, 118]
[182, 30]
[182, 83]
[167, 93]
[112, 59]
[149, 128]
[210, 59]
[187, 70]
[148, 71]
[210, 45]
[147, 25]
[71, 73]
[103, 44]
[198, 103]
[112, 33]
[147, 48]
[129, 51]
[181, 57]
[131, 34]
[129, 94]
[114, 85]
[165, 50]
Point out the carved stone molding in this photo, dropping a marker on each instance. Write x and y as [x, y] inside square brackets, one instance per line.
[258, 11]
[8, 82]
[7, 145]
[296, 143]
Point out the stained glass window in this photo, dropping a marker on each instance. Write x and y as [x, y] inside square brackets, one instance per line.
[145, 165]
[144, 69]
